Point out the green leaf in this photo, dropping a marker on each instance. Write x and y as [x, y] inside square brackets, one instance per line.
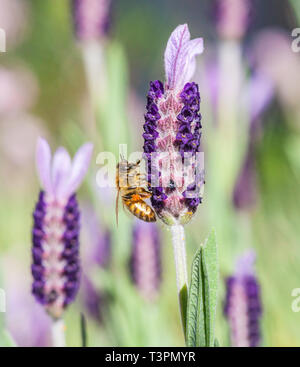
[6, 340]
[183, 299]
[195, 328]
[202, 298]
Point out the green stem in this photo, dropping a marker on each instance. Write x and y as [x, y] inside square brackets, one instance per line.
[58, 333]
[178, 240]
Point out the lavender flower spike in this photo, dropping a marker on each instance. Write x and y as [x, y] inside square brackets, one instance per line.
[233, 17]
[243, 304]
[91, 18]
[145, 260]
[55, 234]
[172, 133]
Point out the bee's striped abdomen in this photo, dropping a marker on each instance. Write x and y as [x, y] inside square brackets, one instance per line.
[141, 210]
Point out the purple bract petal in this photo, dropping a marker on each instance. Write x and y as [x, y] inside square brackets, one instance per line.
[80, 166]
[61, 169]
[180, 56]
[43, 162]
[259, 94]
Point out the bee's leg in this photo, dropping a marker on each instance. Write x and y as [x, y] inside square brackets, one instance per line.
[142, 179]
[145, 194]
[129, 195]
[142, 176]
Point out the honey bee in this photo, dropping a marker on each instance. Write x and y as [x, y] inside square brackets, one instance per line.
[129, 185]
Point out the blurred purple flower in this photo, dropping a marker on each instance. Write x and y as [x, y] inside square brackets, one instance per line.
[145, 261]
[233, 17]
[211, 81]
[172, 131]
[91, 18]
[55, 234]
[245, 192]
[242, 306]
[102, 253]
[257, 91]
[93, 300]
[271, 54]
[258, 94]
[98, 240]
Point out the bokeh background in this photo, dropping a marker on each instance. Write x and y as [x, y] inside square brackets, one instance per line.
[71, 89]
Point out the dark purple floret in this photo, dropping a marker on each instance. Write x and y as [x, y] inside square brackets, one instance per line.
[150, 129]
[190, 97]
[190, 142]
[229, 284]
[254, 309]
[156, 90]
[71, 236]
[152, 113]
[186, 115]
[158, 197]
[193, 203]
[184, 129]
[150, 136]
[190, 93]
[37, 237]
